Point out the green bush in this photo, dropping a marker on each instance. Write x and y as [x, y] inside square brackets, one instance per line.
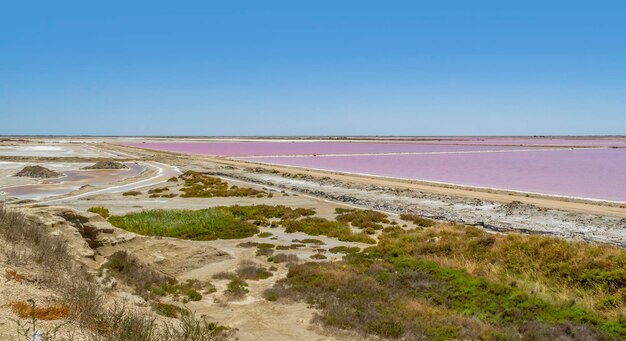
[198, 185]
[345, 249]
[319, 226]
[236, 288]
[102, 211]
[169, 310]
[364, 219]
[417, 220]
[252, 272]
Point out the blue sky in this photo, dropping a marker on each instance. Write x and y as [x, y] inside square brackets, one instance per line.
[313, 67]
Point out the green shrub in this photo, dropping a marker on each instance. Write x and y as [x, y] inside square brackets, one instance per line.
[306, 241]
[284, 258]
[158, 190]
[131, 271]
[102, 211]
[131, 193]
[247, 244]
[319, 226]
[198, 185]
[249, 271]
[169, 310]
[364, 219]
[345, 249]
[264, 252]
[236, 288]
[417, 220]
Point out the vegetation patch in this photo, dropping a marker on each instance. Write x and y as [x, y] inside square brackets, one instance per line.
[131, 193]
[12, 275]
[315, 226]
[285, 258]
[348, 250]
[302, 242]
[107, 165]
[263, 213]
[158, 190]
[398, 289]
[198, 185]
[591, 274]
[237, 288]
[247, 244]
[169, 310]
[38, 172]
[29, 310]
[250, 271]
[363, 219]
[225, 275]
[132, 272]
[264, 252]
[102, 211]
[207, 224]
[151, 283]
[417, 220]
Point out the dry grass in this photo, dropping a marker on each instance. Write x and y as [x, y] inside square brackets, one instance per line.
[11, 275]
[29, 310]
[455, 282]
[285, 258]
[31, 243]
[250, 271]
[81, 300]
[591, 274]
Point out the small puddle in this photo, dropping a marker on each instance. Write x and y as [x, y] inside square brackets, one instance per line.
[71, 181]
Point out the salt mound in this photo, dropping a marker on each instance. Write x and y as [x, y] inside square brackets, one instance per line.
[107, 165]
[38, 172]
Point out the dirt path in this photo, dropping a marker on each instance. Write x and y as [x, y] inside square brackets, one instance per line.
[164, 172]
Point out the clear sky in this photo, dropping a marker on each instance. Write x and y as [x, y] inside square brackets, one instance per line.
[313, 67]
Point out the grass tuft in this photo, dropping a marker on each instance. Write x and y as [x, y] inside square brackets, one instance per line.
[102, 211]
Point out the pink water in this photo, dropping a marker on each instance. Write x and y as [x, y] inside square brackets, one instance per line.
[598, 173]
[264, 148]
[584, 173]
[526, 141]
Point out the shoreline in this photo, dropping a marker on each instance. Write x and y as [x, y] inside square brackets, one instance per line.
[579, 205]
